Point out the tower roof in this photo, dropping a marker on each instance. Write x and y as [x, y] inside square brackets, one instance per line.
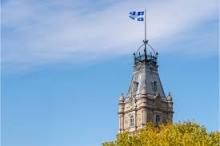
[145, 75]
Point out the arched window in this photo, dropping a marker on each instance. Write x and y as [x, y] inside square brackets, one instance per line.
[132, 121]
[157, 119]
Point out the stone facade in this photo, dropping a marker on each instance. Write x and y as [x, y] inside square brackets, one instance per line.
[145, 100]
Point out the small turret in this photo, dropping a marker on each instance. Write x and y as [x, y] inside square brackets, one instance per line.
[121, 98]
[169, 97]
[121, 103]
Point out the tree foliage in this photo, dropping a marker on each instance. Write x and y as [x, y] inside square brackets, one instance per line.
[179, 134]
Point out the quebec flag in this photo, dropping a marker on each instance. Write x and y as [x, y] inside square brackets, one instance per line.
[137, 15]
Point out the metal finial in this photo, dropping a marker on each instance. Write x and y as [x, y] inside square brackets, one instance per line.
[169, 94]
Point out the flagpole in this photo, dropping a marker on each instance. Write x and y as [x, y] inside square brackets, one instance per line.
[145, 27]
[145, 34]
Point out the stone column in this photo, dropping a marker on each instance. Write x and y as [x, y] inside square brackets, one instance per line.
[121, 113]
[144, 116]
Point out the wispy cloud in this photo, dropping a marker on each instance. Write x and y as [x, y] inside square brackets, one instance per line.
[38, 32]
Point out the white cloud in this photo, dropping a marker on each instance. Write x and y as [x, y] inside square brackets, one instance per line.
[37, 32]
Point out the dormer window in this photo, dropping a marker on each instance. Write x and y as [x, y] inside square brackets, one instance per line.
[154, 86]
[135, 87]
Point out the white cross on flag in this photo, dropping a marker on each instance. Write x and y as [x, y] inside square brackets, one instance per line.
[137, 15]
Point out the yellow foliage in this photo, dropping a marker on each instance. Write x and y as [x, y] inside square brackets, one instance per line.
[180, 134]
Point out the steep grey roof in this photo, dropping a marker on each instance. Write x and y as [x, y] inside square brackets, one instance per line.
[145, 77]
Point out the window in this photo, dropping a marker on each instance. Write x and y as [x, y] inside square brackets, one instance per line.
[135, 87]
[132, 121]
[157, 119]
[154, 86]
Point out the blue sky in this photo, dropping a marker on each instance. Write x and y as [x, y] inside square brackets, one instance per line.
[64, 64]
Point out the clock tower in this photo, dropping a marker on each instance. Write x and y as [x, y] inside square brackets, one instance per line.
[145, 100]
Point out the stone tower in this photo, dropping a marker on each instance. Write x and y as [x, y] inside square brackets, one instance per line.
[145, 100]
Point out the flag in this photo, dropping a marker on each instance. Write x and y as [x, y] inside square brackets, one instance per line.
[137, 15]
